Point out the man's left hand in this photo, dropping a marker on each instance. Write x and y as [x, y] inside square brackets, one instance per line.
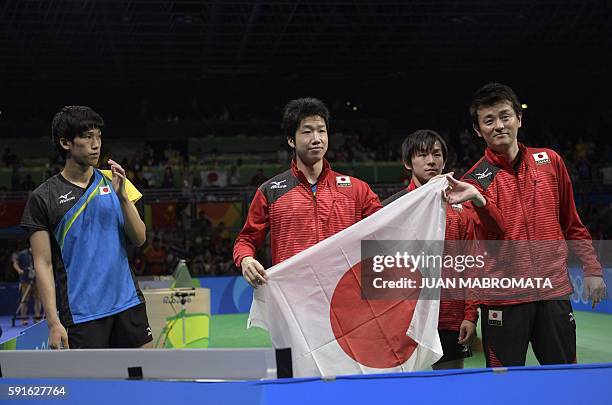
[460, 191]
[594, 289]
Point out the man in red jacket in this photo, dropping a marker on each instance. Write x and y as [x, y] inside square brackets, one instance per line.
[305, 204]
[531, 190]
[424, 154]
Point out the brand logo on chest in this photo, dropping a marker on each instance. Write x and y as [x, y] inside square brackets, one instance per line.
[278, 184]
[486, 173]
[457, 207]
[65, 198]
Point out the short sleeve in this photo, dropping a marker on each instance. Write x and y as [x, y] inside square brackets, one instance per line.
[35, 214]
[133, 194]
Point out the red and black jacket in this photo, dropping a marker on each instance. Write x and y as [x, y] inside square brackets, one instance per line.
[535, 209]
[286, 207]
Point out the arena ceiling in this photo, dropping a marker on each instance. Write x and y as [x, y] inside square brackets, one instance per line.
[111, 41]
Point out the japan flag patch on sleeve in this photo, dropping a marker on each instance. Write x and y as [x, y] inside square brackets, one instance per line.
[104, 190]
[343, 181]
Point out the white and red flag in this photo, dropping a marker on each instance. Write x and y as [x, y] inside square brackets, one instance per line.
[313, 304]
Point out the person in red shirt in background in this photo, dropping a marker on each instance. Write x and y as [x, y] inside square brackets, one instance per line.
[424, 154]
[138, 262]
[531, 191]
[305, 204]
[155, 258]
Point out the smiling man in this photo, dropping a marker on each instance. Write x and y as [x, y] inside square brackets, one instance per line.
[305, 204]
[79, 222]
[532, 193]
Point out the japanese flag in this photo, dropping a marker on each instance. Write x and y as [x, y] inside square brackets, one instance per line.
[312, 302]
[343, 181]
[541, 157]
[104, 190]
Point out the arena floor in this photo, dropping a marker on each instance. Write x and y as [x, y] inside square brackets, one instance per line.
[593, 337]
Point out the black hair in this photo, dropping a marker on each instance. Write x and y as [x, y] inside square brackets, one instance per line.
[296, 110]
[72, 121]
[491, 94]
[422, 140]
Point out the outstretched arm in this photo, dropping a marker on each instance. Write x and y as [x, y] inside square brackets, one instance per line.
[460, 191]
[489, 216]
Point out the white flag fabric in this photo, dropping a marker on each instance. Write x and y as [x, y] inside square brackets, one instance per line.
[312, 301]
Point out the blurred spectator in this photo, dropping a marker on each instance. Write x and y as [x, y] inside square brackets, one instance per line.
[138, 262]
[8, 158]
[15, 176]
[583, 168]
[202, 224]
[221, 231]
[23, 263]
[233, 176]
[139, 181]
[149, 156]
[186, 180]
[283, 154]
[173, 156]
[258, 178]
[168, 179]
[28, 183]
[155, 258]
[197, 267]
[606, 173]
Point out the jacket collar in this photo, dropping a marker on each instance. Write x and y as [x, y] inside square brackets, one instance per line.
[302, 178]
[411, 186]
[499, 160]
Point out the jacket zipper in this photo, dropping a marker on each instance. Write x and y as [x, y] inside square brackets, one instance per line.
[316, 213]
[518, 187]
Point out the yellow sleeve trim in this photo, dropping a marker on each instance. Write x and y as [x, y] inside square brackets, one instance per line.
[133, 194]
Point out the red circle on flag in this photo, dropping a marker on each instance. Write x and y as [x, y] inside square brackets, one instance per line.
[493, 314]
[105, 190]
[372, 332]
[540, 156]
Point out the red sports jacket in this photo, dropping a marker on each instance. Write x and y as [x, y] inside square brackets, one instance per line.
[296, 219]
[537, 213]
[459, 226]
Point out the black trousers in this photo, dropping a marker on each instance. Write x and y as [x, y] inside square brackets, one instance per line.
[548, 325]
